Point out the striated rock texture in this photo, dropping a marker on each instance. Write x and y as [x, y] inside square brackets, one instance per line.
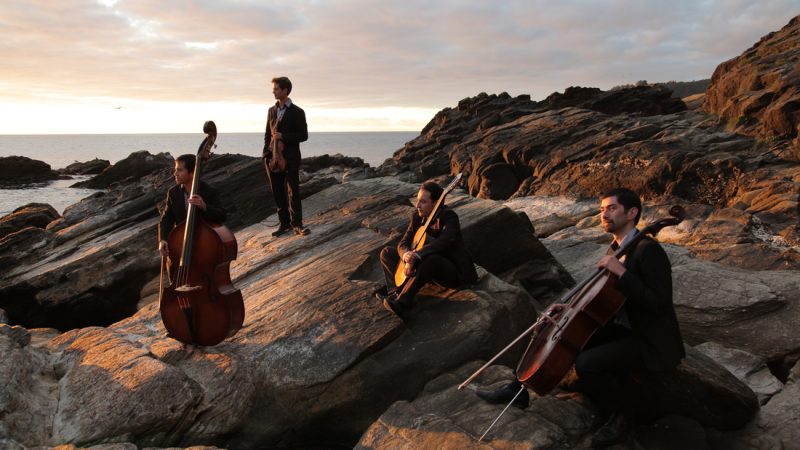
[444, 417]
[21, 170]
[87, 267]
[758, 92]
[31, 215]
[318, 358]
[741, 193]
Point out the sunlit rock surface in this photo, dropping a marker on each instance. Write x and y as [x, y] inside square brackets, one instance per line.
[318, 357]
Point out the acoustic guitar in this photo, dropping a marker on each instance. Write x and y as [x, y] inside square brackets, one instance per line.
[419, 237]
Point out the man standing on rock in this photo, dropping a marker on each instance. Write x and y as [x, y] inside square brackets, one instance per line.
[443, 259]
[179, 199]
[643, 336]
[286, 129]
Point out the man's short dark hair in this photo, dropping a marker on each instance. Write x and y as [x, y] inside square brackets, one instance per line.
[627, 198]
[283, 83]
[434, 189]
[188, 161]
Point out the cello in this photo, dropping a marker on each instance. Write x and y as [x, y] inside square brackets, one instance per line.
[560, 333]
[419, 237]
[200, 305]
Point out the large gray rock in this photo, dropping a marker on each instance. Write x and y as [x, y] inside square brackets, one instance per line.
[748, 368]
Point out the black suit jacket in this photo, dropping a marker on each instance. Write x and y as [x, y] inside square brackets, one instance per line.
[292, 127]
[647, 286]
[175, 211]
[443, 237]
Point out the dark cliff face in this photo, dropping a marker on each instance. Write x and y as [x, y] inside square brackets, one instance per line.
[758, 92]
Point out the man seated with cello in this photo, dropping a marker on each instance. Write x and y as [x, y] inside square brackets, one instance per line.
[442, 259]
[178, 200]
[643, 336]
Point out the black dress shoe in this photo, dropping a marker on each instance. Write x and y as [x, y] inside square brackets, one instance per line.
[505, 394]
[395, 306]
[382, 294]
[301, 230]
[612, 431]
[283, 229]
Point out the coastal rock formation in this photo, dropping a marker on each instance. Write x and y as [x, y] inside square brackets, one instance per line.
[92, 167]
[742, 192]
[88, 267]
[318, 357]
[444, 417]
[31, 215]
[135, 166]
[21, 170]
[757, 92]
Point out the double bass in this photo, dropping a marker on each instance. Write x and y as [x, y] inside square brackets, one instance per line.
[560, 333]
[200, 305]
[420, 235]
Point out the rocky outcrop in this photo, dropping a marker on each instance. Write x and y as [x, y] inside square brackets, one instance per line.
[444, 417]
[20, 170]
[92, 167]
[318, 358]
[88, 267]
[134, 167]
[31, 215]
[758, 92]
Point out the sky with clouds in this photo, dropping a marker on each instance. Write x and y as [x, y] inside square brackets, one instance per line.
[147, 66]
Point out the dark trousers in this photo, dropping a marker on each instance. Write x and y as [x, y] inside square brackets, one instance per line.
[605, 365]
[286, 191]
[433, 268]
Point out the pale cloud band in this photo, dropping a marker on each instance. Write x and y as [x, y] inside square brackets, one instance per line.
[355, 64]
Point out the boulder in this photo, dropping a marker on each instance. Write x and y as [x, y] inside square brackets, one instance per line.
[748, 368]
[92, 167]
[134, 167]
[21, 170]
[444, 417]
[31, 215]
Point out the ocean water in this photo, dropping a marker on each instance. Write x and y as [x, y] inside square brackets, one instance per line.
[62, 150]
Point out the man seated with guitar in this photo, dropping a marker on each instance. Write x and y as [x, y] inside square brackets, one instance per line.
[643, 336]
[178, 200]
[439, 256]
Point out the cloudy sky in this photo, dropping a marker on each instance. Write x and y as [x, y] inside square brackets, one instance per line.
[149, 66]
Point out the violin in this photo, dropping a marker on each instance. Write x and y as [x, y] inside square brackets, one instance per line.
[419, 236]
[200, 305]
[278, 161]
[559, 336]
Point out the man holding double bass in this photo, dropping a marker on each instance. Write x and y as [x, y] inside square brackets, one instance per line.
[179, 199]
[442, 258]
[643, 336]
